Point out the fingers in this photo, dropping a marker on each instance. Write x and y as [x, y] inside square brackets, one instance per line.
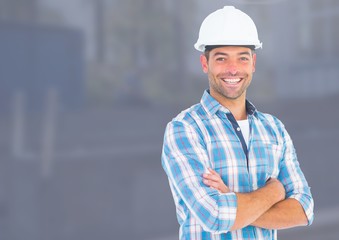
[212, 171]
[213, 180]
[211, 177]
[212, 184]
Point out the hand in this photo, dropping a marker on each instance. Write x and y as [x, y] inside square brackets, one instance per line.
[213, 180]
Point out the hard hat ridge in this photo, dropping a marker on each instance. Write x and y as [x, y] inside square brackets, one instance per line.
[227, 26]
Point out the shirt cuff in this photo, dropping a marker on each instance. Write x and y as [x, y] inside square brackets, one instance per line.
[308, 206]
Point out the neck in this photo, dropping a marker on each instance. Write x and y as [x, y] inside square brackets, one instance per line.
[236, 106]
[238, 111]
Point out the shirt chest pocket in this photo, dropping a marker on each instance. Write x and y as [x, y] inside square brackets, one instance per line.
[264, 160]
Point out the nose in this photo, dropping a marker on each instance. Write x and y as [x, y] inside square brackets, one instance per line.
[232, 69]
[231, 66]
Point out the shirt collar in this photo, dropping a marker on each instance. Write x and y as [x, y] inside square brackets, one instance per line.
[212, 106]
[250, 108]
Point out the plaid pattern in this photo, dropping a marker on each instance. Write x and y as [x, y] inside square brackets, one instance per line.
[205, 136]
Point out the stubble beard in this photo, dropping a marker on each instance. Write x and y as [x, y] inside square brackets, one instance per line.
[220, 91]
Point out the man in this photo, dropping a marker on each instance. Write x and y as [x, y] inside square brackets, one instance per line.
[232, 170]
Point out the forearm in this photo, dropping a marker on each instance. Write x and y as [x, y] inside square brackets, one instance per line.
[284, 214]
[252, 205]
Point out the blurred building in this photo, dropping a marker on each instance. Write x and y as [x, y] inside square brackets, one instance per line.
[145, 48]
[306, 36]
[95, 173]
[36, 57]
[19, 10]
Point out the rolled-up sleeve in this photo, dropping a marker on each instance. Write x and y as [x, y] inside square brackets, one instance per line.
[185, 159]
[293, 178]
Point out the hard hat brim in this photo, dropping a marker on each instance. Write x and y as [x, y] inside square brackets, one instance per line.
[201, 47]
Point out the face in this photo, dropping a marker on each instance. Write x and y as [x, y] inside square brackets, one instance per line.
[229, 71]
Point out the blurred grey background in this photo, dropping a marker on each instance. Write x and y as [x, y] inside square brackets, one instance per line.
[87, 87]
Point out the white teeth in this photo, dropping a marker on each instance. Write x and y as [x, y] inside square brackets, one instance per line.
[231, 81]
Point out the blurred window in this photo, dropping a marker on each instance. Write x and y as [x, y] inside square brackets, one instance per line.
[319, 33]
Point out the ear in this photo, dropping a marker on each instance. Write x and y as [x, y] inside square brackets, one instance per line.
[254, 57]
[204, 63]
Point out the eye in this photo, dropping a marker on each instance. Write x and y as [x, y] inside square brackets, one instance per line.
[220, 59]
[244, 59]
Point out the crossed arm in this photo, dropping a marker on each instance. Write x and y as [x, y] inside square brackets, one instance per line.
[265, 207]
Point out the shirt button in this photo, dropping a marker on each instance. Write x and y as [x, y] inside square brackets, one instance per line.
[238, 129]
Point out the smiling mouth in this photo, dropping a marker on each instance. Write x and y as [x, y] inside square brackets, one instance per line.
[231, 80]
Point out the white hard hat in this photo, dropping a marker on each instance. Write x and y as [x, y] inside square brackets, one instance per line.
[227, 26]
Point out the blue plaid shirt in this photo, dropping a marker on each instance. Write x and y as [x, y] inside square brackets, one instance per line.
[207, 135]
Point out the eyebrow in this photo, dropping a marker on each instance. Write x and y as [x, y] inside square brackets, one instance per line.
[226, 54]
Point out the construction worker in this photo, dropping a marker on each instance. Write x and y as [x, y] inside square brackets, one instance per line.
[232, 170]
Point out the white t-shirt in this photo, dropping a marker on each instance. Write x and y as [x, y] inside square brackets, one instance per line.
[245, 129]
